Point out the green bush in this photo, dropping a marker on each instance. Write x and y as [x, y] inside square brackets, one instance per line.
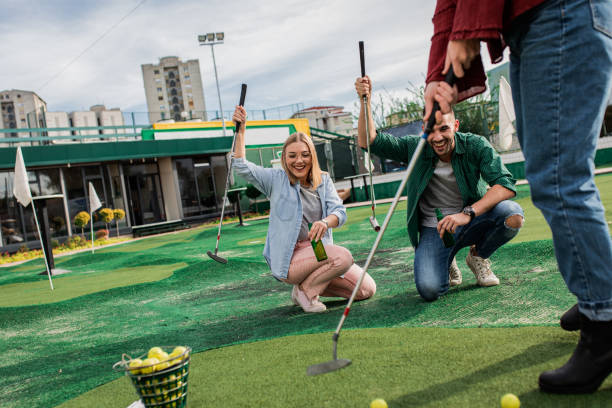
[106, 215]
[119, 215]
[74, 242]
[81, 220]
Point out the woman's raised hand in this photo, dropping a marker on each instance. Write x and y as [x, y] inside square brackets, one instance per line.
[240, 115]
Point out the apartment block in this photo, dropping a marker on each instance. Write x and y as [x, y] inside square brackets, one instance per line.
[174, 90]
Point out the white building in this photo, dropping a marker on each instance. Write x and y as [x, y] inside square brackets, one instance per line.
[329, 118]
[58, 120]
[84, 119]
[108, 117]
[174, 90]
[21, 109]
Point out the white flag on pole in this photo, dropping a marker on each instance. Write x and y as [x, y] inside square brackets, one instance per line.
[21, 185]
[506, 115]
[21, 191]
[94, 201]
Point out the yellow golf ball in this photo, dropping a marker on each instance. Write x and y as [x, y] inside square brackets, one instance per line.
[510, 401]
[378, 403]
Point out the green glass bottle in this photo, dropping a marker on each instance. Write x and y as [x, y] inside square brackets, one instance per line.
[447, 238]
[318, 248]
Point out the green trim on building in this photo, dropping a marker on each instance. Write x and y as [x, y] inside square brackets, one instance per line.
[149, 134]
[98, 152]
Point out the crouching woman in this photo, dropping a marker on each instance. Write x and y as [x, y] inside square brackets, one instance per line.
[300, 194]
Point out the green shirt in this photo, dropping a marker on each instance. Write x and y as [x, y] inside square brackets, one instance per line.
[475, 163]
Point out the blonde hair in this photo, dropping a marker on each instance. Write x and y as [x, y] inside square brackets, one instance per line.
[315, 171]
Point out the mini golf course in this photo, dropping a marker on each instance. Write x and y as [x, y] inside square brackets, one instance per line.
[252, 345]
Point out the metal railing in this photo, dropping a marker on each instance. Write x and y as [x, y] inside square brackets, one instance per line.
[47, 136]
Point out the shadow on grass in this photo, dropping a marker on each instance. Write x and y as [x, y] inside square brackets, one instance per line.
[532, 356]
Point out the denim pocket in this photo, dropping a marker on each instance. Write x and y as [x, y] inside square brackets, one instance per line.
[601, 10]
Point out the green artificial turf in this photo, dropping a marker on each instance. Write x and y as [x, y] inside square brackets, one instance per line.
[61, 350]
[536, 228]
[74, 285]
[407, 367]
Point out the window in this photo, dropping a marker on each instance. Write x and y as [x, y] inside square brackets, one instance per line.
[156, 72]
[159, 89]
[162, 107]
[157, 79]
[160, 98]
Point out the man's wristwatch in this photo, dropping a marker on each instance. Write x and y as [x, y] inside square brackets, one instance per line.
[469, 211]
[324, 221]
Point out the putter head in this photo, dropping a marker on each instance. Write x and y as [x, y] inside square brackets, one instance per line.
[216, 257]
[374, 223]
[328, 366]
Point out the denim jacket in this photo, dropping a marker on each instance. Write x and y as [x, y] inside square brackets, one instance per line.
[286, 211]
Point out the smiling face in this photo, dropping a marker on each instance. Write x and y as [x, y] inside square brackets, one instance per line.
[298, 161]
[442, 138]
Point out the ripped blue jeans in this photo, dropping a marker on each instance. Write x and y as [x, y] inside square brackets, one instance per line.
[487, 232]
[561, 76]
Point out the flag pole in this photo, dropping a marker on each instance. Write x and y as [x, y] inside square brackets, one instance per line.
[92, 235]
[42, 245]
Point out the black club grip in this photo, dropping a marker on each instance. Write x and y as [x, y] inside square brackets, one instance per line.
[450, 79]
[362, 58]
[241, 103]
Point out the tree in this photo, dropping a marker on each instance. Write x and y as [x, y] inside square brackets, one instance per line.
[119, 215]
[106, 214]
[477, 115]
[81, 220]
[252, 192]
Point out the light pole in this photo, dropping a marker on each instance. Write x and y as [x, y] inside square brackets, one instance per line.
[213, 39]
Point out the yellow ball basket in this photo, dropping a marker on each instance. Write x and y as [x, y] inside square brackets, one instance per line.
[165, 388]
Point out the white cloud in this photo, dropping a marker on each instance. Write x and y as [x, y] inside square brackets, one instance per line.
[287, 51]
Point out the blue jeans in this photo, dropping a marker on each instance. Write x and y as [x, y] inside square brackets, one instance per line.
[561, 76]
[432, 260]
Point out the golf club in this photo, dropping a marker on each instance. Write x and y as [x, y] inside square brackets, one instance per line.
[373, 220]
[227, 180]
[336, 363]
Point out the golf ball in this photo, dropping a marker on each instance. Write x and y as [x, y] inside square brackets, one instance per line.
[510, 401]
[378, 403]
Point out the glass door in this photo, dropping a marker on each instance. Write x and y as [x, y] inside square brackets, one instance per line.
[205, 183]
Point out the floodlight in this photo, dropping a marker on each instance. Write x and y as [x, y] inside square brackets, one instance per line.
[202, 38]
[210, 36]
[220, 36]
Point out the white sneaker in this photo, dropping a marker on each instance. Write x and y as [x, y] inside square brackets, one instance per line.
[482, 270]
[309, 306]
[454, 274]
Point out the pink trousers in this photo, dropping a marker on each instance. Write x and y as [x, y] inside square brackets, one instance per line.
[323, 278]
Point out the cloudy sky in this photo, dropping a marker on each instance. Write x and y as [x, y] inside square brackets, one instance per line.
[75, 54]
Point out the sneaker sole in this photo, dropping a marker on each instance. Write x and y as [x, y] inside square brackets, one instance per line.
[487, 284]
